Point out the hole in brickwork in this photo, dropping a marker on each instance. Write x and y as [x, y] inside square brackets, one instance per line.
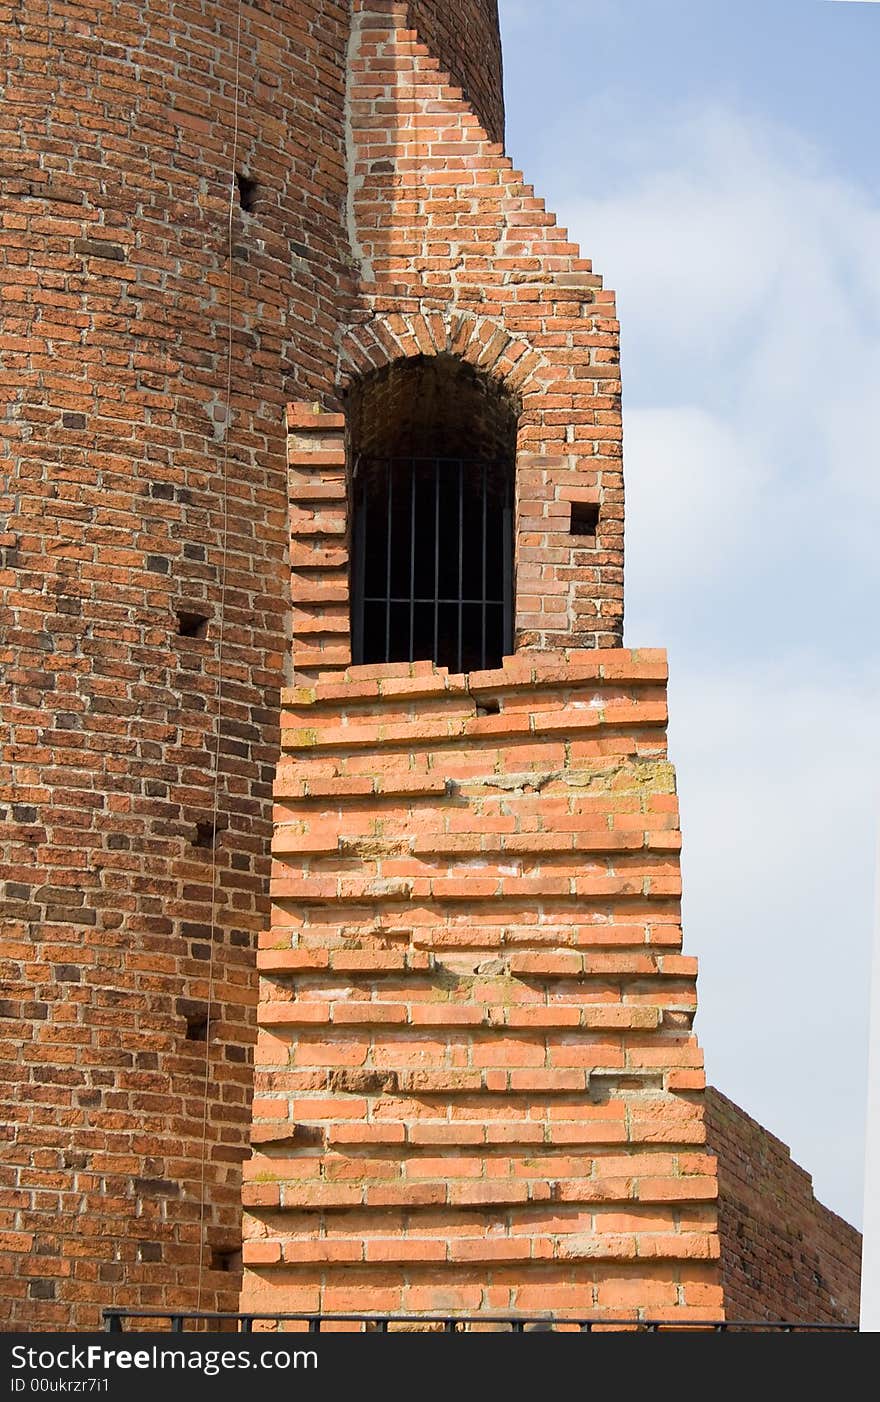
[247, 191]
[225, 1259]
[195, 1017]
[584, 518]
[192, 625]
[433, 450]
[205, 833]
[488, 707]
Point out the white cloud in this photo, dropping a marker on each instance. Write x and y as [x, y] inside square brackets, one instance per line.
[778, 778]
[749, 295]
[693, 483]
[744, 268]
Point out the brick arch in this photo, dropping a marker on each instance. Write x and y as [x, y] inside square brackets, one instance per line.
[478, 340]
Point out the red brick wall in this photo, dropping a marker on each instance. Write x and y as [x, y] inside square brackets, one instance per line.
[120, 924]
[783, 1255]
[476, 1084]
[458, 256]
[465, 38]
[117, 127]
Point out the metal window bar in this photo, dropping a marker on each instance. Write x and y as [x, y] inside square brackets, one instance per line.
[507, 541]
[478, 486]
[390, 495]
[412, 567]
[460, 562]
[358, 513]
[436, 560]
[483, 609]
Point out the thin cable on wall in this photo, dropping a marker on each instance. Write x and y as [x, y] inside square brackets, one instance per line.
[224, 535]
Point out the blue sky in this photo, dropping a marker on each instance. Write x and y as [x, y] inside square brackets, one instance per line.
[718, 162]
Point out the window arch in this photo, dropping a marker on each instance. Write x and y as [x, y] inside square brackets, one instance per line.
[432, 442]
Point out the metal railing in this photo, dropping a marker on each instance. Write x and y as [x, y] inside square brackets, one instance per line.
[115, 1321]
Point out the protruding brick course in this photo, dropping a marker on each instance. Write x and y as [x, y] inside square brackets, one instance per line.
[476, 1085]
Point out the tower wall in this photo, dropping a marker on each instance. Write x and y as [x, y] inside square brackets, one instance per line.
[464, 38]
[121, 920]
[457, 255]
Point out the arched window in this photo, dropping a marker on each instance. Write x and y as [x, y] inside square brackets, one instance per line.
[433, 445]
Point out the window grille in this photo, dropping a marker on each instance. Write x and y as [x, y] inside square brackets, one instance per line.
[432, 568]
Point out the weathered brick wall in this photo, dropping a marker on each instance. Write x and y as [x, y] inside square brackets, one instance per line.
[783, 1255]
[464, 37]
[117, 128]
[476, 1084]
[458, 255]
[127, 909]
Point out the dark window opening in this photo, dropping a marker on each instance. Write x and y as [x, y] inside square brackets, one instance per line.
[433, 445]
[247, 191]
[584, 518]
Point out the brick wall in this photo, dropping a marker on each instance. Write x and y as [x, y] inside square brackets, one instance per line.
[458, 255]
[783, 1255]
[476, 1084]
[465, 39]
[374, 220]
[117, 130]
